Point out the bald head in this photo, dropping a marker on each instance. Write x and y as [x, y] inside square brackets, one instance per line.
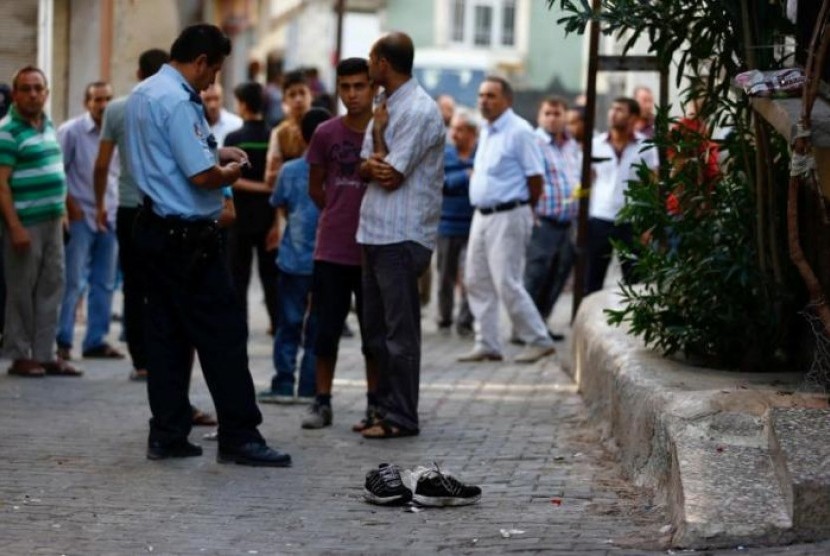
[397, 49]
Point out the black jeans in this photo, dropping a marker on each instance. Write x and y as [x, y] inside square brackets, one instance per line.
[191, 303]
[451, 251]
[549, 261]
[392, 321]
[600, 234]
[241, 247]
[135, 287]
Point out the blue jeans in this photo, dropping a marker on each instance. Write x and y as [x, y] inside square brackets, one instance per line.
[296, 325]
[91, 259]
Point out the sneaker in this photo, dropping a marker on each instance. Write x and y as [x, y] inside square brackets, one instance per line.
[434, 487]
[319, 416]
[305, 400]
[384, 486]
[270, 396]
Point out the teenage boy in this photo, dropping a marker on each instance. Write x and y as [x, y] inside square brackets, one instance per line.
[295, 322]
[286, 140]
[254, 216]
[337, 189]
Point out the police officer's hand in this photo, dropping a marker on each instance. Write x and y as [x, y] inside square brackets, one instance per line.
[20, 239]
[232, 154]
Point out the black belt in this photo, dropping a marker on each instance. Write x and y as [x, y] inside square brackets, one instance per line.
[510, 205]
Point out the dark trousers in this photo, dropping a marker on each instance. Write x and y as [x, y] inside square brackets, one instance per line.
[451, 252]
[549, 261]
[241, 247]
[134, 286]
[191, 303]
[392, 320]
[332, 288]
[600, 234]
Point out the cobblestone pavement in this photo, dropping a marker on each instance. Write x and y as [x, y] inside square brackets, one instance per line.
[74, 478]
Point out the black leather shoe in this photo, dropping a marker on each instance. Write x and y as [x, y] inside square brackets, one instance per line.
[254, 453]
[183, 449]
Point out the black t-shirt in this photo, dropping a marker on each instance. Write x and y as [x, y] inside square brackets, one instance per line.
[253, 213]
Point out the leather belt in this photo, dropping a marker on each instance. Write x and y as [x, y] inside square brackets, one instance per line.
[502, 207]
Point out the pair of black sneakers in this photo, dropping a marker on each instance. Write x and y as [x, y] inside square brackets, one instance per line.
[429, 487]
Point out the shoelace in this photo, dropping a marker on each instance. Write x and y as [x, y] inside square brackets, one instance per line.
[450, 483]
[389, 475]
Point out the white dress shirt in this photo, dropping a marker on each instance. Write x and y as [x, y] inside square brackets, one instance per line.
[611, 177]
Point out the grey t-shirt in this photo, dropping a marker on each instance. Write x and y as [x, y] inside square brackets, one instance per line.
[114, 130]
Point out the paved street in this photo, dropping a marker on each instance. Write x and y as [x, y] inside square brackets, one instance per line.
[74, 479]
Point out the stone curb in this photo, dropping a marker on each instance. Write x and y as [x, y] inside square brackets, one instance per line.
[708, 442]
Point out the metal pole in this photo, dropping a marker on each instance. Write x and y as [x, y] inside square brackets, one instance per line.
[339, 8]
[587, 151]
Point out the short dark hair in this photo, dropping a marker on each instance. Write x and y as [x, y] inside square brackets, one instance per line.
[633, 105]
[201, 39]
[251, 94]
[150, 62]
[28, 69]
[398, 50]
[352, 66]
[554, 101]
[93, 85]
[311, 120]
[506, 89]
[296, 77]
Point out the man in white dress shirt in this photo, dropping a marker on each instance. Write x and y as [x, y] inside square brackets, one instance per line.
[506, 183]
[621, 150]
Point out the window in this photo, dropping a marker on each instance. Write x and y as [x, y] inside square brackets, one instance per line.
[483, 23]
[484, 26]
[458, 21]
[508, 23]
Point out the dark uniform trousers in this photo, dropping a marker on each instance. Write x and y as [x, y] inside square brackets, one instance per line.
[191, 304]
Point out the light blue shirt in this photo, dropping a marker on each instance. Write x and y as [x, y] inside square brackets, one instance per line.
[296, 252]
[415, 137]
[169, 142]
[79, 138]
[114, 130]
[507, 154]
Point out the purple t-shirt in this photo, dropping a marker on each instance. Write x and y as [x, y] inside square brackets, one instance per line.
[336, 148]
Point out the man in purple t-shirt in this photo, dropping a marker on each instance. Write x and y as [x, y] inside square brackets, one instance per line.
[337, 189]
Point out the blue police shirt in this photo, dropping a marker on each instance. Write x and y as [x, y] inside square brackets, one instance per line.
[168, 142]
[296, 252]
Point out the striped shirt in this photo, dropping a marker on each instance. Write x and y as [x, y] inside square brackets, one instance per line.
[415, 137]
[37, 181]
[561, 176]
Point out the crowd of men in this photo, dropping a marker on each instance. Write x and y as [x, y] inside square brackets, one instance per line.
[342, 212]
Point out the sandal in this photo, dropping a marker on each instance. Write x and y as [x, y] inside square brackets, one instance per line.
[104, 351]
[383, 429]
[60, 368]
[372, 417]
[27, 368]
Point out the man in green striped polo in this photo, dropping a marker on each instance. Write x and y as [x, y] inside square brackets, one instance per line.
[32, 201]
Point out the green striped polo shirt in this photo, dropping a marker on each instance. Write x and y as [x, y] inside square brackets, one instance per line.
[37, 181]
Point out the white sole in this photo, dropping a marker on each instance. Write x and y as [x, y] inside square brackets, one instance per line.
[383, 501]
[444, 500]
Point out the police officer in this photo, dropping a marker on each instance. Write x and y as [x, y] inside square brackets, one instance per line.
[190, 300]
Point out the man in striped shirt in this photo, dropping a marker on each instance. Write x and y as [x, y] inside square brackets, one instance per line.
[549, 254]
[32, 200]
[403, 161]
